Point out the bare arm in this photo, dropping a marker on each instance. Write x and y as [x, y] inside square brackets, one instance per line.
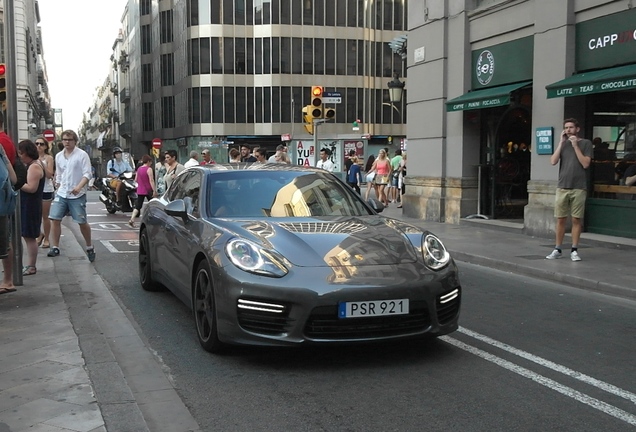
[583, 160]
[34, 174]
[12, 177]
[151, 178]
[556, 156]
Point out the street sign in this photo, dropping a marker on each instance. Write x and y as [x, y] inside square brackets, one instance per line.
[332, 97]
[156, 143]
[49, 135]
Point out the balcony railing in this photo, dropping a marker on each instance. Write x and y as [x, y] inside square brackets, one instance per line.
[124, 95]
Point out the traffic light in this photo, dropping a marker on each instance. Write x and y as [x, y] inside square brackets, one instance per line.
[329, 113]
[3, 86]
[316, 102]
[308, 119]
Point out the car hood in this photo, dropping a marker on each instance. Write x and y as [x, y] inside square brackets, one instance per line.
[314, 242]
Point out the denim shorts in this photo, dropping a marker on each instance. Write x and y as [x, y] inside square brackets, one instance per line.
[75, 206]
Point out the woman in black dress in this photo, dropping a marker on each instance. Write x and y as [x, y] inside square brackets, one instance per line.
[31, 202]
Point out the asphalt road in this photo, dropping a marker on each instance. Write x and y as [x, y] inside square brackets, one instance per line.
[530, 355]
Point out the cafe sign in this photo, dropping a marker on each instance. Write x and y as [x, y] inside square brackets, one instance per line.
[606, 41]
[544, 140]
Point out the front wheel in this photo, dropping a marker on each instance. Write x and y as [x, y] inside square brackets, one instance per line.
[204, 309]
[111, 210]
[145, 265]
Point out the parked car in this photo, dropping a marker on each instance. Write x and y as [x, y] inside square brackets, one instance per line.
[273, 254]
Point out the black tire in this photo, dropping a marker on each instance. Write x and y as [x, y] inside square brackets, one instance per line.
[111, 210]
[145, 266]
[204, 310]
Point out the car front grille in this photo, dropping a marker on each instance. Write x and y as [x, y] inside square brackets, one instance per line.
[447, 306]
[263, 317]
[324, 323]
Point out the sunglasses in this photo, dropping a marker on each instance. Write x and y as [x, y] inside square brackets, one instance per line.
[41, 144]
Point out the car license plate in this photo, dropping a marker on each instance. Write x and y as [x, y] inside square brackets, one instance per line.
[373, 308]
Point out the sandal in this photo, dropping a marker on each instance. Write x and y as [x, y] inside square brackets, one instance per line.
[131, 223]
[29, 270]
[40, 239]
[45, 245]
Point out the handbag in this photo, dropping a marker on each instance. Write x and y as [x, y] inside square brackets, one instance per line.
[382, 179]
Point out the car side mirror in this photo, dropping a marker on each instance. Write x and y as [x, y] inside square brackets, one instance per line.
[177, 208]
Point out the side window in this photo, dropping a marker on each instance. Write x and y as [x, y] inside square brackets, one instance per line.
[191, 189]
[177, 190]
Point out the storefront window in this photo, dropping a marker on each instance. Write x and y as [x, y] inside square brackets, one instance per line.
[614, 139]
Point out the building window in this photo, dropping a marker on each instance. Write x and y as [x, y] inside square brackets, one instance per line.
[217, 104]
[193, 13]
[146, 78]
[275, 12]
[341, 57]
[204, 56]
[285, 105]
[319, 56]
[275, 55]
[330, 13]
[195, 106]
[297, 56]
[166, 26]
[239, 12]
[228, 12]
[275, 105]
[144, 7]
[285, 11]
[249, 105]
[215, 54]
[285, 55]
[228, 93]
[167, 70]
[148, 119]
[167, 112]
[146, 39]
[308, 58]
[240, 55]
[228, 55]
[330, 57]
[240, 105]
[206, 105]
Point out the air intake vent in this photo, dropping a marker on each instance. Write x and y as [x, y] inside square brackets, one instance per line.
[448, 306]
[263, 317]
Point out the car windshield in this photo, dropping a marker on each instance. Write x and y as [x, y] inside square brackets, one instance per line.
[255, 193]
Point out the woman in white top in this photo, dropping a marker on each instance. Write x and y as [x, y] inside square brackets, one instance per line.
[49, 189]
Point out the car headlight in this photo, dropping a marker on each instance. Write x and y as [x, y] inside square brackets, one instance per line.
[435, 254]
[252, 258]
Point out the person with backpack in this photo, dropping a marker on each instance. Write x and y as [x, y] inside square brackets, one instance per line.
[8, 156]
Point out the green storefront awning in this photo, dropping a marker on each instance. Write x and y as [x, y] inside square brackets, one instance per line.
[485, 98]
[600, 81]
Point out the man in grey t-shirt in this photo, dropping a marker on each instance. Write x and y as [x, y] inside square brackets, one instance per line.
[575, 156]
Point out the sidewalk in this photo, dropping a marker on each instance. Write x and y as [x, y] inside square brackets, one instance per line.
[607, 264]
[72, 360]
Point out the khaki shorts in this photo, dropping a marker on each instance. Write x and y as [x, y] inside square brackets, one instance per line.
[570, 202]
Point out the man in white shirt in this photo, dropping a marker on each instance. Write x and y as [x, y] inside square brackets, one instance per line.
[72, 173]
[324, 162]
[272, 158]
[194, 159]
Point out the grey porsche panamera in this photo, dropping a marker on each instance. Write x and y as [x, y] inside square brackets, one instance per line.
[285, 255]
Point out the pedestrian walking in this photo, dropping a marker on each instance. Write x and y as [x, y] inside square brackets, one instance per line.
[31, 203]
[173, 167]
[160, 171]
[575, 155]
[382, 169]
[402, 174]
[194, 159]
[354, 175]
[145, 187]
[6, 222]
[72, 174]
[49, 189]
[324, 162]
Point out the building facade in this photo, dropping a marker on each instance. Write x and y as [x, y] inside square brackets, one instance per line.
[35, 113]
[499, 77]
[215, 74]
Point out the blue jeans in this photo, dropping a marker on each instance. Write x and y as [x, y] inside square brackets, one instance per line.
[75, 206]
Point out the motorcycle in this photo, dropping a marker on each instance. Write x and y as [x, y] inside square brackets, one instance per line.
[129, 193]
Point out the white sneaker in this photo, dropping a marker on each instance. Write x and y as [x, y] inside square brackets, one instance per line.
[555, 255]
[574, 256]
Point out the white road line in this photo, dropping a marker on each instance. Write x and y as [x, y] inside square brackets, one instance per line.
[547, 382]
[108, 245]
[554, 366]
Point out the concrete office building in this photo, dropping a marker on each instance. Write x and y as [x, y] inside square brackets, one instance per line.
[497, 79]
[219, 73]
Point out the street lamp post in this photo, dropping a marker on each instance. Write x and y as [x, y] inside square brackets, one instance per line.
[396, 87]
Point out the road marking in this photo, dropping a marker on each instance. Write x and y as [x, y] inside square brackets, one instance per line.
[554, 366]
[108, 244]
[547, 382]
